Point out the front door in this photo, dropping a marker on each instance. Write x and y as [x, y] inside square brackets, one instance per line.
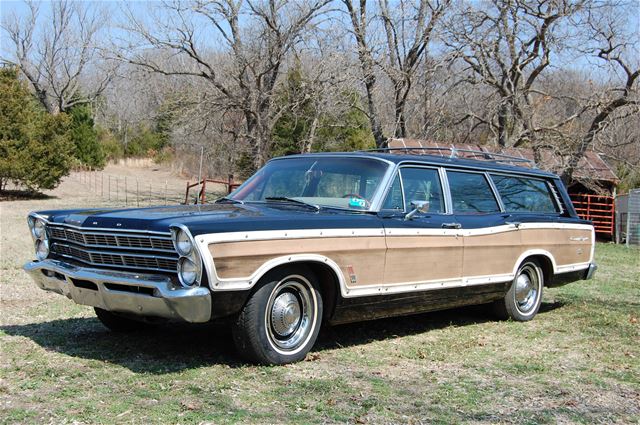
[426, 250]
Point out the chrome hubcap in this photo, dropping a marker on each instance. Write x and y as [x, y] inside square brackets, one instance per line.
[285, 314]
[526, 291]
[290, 315]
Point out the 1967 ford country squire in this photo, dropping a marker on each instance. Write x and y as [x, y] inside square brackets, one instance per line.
[323, 238]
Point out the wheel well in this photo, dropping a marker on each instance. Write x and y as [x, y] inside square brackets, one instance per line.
[329, 284]
[545, 264]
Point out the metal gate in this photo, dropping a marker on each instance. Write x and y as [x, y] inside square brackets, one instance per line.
[599, 209]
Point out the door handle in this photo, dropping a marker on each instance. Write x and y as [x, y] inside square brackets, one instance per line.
[451, 225]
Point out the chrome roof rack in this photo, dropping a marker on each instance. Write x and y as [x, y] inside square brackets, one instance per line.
[457, 153]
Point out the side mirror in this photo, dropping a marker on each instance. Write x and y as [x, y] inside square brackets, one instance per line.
[417, 207]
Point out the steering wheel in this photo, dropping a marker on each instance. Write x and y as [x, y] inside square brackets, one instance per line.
[367, 204]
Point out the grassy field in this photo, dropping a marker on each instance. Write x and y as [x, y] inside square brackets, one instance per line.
[577, 362]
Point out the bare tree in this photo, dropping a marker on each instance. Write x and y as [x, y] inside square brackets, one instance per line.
[255, 47]
[507, 46]
[408, 34]
[60, 58]
[616, 48]
[360, 21]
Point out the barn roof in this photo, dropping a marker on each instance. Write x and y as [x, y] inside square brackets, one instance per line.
[590, 168]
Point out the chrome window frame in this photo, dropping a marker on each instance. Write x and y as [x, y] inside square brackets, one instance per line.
[443, 187]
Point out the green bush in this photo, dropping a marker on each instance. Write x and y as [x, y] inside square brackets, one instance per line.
[111, 147]
[35, 147]
[82, 131]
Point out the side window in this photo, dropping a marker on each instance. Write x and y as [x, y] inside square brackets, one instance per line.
[471, 193]
[422, 184]
[394, 199]
[521, 194]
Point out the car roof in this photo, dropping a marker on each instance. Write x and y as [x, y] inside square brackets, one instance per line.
[436, 160]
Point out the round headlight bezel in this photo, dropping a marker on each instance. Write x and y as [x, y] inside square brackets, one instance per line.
[183, 243]
[42, 243]
[189, 266]
[39, 228]
[188, 272]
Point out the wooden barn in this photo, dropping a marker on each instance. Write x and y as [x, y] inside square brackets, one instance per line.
[592, 191]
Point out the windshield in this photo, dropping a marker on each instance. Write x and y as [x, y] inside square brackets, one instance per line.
[349, 183]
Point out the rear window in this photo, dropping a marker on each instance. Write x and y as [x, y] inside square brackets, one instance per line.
[522, 194]
[471, 193]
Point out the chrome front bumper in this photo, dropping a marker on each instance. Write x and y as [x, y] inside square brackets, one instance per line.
[123, 292]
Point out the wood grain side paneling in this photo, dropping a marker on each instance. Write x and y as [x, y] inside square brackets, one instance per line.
[423, 258]
[568, 246]
[364, 254]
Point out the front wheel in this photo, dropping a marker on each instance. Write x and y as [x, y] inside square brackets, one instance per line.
[524, 297]
[280, 322]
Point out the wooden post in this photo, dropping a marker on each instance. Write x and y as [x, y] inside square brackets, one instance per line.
[126, 195]
[137, 193]
[230, 184]
[186, 195]
[165, 193]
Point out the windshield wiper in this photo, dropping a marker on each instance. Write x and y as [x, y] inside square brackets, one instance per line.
[226, 200]
[293, 200]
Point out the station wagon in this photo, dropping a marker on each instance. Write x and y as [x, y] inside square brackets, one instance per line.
[321, 239]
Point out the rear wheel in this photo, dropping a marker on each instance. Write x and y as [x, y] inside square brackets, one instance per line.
[117, 323]
[522, 301]
[280, 322]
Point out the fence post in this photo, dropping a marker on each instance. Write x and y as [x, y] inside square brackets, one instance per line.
[137, 193]
[117, 188]
[186, 195]
[165, 193]
[203, 194]
[109, 187]
[230, 183]
[126, 195]
[149, 193]
[102, 185]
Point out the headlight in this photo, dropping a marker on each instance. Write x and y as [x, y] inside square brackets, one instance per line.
[189, 263]
[42, 249]
[188, 271]
[38, 228]
[183, 243]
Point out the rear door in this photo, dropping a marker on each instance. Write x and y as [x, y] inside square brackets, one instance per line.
[420, 250]
[491, 241]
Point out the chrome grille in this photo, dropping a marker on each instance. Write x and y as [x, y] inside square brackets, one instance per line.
[101, 239]
[124, 260]
[115, 249]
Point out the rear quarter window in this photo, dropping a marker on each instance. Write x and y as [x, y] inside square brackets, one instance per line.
[522, 194]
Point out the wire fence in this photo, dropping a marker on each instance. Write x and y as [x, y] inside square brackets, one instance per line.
[128, 191]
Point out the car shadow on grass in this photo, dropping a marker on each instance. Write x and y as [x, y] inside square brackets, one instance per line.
[175, 347]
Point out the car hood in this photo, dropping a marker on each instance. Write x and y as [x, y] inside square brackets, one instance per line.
[213, 218]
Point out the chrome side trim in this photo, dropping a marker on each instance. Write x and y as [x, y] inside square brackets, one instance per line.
[168, 301]
[233, 284]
